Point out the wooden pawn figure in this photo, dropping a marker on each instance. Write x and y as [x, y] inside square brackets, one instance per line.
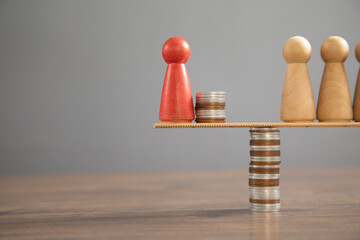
[334, 103]
[176, 104]
[297, 102]
[357, 89]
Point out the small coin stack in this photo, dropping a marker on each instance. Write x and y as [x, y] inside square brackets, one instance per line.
[264, 171]
[210, 107]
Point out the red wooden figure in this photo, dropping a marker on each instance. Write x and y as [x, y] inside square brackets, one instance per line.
[176, 100]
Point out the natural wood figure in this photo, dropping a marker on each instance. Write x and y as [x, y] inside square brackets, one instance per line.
[334, 103]
[357, 90]
[297, 103]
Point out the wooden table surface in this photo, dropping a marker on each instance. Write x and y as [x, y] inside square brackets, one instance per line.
[316, 204]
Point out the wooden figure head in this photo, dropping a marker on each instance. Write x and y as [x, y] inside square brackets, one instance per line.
[334, 49]
[297, 50]
[357, 51]
[176, 50]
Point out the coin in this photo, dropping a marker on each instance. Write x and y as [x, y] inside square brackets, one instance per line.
[264, 170]
[210, 107]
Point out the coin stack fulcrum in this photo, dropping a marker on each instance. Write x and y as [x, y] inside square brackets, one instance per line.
[264, 171]
[210, 107]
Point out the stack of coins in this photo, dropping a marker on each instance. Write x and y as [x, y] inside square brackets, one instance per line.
[264, 171]
[210, 107]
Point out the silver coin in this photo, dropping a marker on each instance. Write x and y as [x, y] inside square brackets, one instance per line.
[263, 176]
[211, 93]
[265, 137]
[210, 97]
[264, 188]
[260, 129]
[217, 100]
[264, 166]
[265, 147]
[265, 134]
[210, 111]
[266, 130]
[265, 207]
[211, 115]
[265, 159]
[265, 195]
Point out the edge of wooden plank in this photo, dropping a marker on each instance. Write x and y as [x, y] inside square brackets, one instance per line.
[254, 125]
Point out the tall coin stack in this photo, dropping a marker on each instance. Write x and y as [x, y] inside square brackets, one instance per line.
[210, 107]
[264, 171]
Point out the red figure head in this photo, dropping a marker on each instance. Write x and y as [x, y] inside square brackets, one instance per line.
[176, 50]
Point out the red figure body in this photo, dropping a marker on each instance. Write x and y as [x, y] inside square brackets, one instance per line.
[176, 100]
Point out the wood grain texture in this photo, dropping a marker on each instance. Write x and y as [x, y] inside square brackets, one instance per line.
[316, 204]
[255, 125]
[297, 102]
[334, 102]
[356, 107]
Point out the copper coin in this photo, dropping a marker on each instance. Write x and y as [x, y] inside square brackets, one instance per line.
[208, 108]
[264, 153]
[264, 182]
[264, 163]
[265, 142]
[264, 170]
[210, 120]
[210, 104]
[264, 201]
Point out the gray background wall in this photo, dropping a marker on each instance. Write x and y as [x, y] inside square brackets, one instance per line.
[80, 82]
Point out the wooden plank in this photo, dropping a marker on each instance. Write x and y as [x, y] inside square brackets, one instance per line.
[317, 203]
[256, 125]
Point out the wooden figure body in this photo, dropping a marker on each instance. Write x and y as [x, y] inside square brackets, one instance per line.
[334, 103]
[357, 89]
[297, 102]
[176, 100]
